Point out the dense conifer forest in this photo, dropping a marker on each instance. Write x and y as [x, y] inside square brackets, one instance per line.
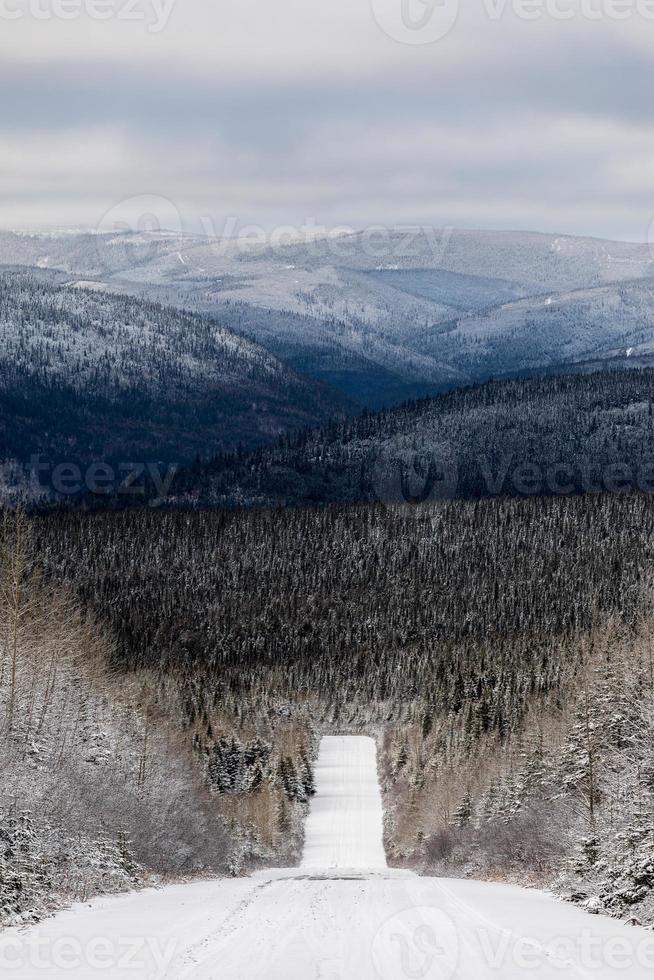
[466, 607]
[550, 435]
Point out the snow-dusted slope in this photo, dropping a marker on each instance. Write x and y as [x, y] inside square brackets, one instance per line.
[311, 922]
[88, 376]
[388, 317]
[345, 825]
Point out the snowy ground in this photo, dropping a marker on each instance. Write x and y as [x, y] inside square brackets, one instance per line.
[341, 916]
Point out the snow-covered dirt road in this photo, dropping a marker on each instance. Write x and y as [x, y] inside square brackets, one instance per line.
[341, 916]
[345, 827]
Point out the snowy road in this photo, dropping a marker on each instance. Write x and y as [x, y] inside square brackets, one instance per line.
[331, 919]
[346, 823]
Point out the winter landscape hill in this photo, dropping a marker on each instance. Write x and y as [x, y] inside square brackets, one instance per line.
[385, 314]
[88, 376]
[552, 435]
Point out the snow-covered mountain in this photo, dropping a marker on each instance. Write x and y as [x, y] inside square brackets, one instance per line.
[385, 314]
[86, 375]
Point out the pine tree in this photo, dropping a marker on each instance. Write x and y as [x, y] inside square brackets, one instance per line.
[464, 811]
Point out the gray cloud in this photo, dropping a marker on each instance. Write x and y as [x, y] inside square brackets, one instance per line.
[554, 133]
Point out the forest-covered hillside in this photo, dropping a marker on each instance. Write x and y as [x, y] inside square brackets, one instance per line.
[553, 435]
[87, 376]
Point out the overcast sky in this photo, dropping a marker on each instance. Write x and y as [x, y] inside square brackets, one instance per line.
[282, 111]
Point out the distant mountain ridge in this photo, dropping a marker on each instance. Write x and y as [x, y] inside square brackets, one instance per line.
[387, 314]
